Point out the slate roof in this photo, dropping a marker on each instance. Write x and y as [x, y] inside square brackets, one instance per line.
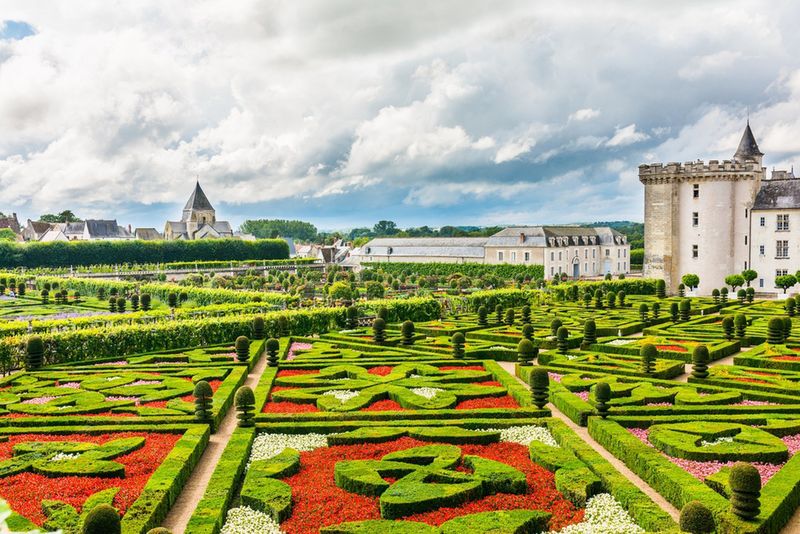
[453, 247]
[105, 229]
[10, 222]
[147, 234]
[778, 194]
[39, 227]
[198, 200]
[748, 148]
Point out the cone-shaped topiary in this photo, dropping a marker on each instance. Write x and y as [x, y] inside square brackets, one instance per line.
[383, 313]
[661, 289]
[526, 314]
[745, 483]
[121, 305]
[245, 402]
[598, 299]
[352, 317]
[740, 321]
[681, 290]
[621, 299]
[791, 307]
[135, 302]
[741, 295]
[751, 294]
[602, 395]
[555, 324]
[696, 518]
[458, 340]
[34, 353]
[242, 348]
[102, 519]
[510, 317]
[258, 328]
[145, 300]
[673, 311]
[540, 386]
[202, 401]
[112, 304]
[172, 300]
[643, 311]
[562, 336]
[379, 330]
[498, 314]
[407, 332]
[727, 327]
[525, 352]
[700, 359]
[527, 332]
[589, 332]
[656, 310]
[648, 354]
[482, 314]
[611, 299]
[715, 295]
[272, 346]
[685, 309]
[787, 328]
[723, 295]
[775, 331]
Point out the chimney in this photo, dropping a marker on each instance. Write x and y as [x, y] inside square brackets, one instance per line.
[129, 227]
[521, 238]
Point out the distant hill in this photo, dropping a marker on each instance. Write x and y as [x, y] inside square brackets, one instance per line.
[634, 231]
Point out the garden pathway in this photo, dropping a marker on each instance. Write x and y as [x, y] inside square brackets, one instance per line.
[195, 487]
[583, 433]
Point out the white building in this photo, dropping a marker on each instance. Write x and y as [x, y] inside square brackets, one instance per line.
[88, 230]
[719, 218]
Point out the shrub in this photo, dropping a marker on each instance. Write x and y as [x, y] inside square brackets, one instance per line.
[202, 402]
[727, 327]
[102, 519]
[715, 295]
[700, 359]
[696, 518]
[258, 328]
[374, 290]
[526, 352]
[540, 385]
[135, 302]
[790, 307]
[749, 275]
[510, 317]
[611, 299]
[45, 294]
[159, 530]
[145, 300]
[741, 295]
[587, 299]
[407, 332]
[598, 299]
[751, 294]
[690, 280]
[112, 304]
[602, 395]
[379, 330]
[673, 311]
[121, 304]
[245, 402]
[656, 310]
[458, 340]
[282, 326]
[242, 348]
[272, 346]
[621, 298]
[740, 322]
[527, 332]
[172, 300]
[734, 280]
[661, 289]
[482, 314]
[775, 331]
[562, 336]
[648, 354]
[681, 290]
[352, 317]
[498, 314]
[787, 328]
[589, 332]
[34, 353]
[643, 311]
[526, 314]
[723, 295]
[555, 324]
[685, 309]
[745, 484]
[785, 281]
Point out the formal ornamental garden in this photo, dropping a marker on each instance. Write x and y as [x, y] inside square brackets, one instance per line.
[446, 402]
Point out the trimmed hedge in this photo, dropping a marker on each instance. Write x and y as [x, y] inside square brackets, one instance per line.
[468, 269]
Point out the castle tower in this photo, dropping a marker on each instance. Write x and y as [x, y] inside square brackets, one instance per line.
[697, 216]
[198, 210]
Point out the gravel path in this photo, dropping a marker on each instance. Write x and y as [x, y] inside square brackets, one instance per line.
[195, 487]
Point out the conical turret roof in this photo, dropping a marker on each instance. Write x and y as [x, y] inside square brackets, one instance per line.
[748, 148]
[198, 200]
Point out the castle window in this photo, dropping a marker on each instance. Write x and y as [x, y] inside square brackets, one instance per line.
[761, 249]
[499, 255]
[781, 249]
[696, 190]
[513, 256]
[559, 257]
[745, 213]
[585, 267]
[760, 282]
[763, 221]
[695, 252]
[552, 256]
[695, 218]
[745, 240]
[527, 256]
[783, 223]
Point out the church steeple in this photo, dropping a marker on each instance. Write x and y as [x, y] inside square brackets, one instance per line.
[748, 148]
[198, 207]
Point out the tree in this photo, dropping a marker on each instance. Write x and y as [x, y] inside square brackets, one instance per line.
[63, 217]
[245, 401]
[785, 281]
[271, 228]
[340, 291]
[734, 280]
[382, 228]
[7, 234]
[690, 280]
[749, 275]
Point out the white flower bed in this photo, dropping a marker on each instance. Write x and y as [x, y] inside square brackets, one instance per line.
[428, 393]
[61, 456]
[267, 446]
[717, 441]
[621, 342]
[524, 435]
[343, 395]
[604, 515]
[500, 347]
[245, 520]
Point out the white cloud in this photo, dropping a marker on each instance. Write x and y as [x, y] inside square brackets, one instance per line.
[584, 114]
[513, 149]
[709, 65]
[626, 136]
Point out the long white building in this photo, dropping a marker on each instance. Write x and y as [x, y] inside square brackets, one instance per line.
[719, 218]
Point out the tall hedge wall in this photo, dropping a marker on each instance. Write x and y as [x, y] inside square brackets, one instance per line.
[502, 270]
[64, 254]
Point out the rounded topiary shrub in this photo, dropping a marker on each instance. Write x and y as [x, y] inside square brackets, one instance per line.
[740, 321]
[272, 346]
[379, 330]
[458, 340]
[661, 289]
[407, 332]
[145, 301]
[510, 317]
[34, 353]
[727, 327]
[482, 316]
[745, 484]
[696, 518]
[648, 354]
[700, 359]
[135, 302]
[245, 402]
[775, 331]
[498, 314]
[526, 314]
[383, 313]
[525, 352]
[258, 328]
[202, 401]
[555, 324]
[172, 300]
[562, 338]
[685, 309]
[715, 295]
[589, 332]
[242, 348]
[540, 385]
[643, 311]
[673, 311]
[602, 395]
[352, 317]
[527, 332]
[102, 519]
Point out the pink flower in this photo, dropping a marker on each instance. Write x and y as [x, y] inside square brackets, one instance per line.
[555, 377]
[39, 400]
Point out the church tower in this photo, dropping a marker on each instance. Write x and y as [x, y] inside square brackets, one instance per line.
[697, 216]
[198, 210]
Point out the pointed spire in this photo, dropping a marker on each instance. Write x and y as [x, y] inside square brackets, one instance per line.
[198, 201]
[748, 148]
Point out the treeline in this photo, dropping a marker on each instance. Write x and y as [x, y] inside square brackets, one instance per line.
[65, 254]
[271, 228]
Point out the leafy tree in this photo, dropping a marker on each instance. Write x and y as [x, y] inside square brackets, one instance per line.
[749, 275]
[7, 234]
[340, 291]
[271, 228]
[690, 280]
[734, 280]
[63, 217]
[383, 228]
[785, 281]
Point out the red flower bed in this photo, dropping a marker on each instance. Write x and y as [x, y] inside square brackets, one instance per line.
[494, 383]
[462, 368]
[381, 370]
[26, 491]
[296, 372]
[751, 380]
[787, 358]
[317, 501]
[385, 405]
[488, 402]
[288, 407]
[673, 348]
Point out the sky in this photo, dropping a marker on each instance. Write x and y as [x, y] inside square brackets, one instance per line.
[343, 113]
